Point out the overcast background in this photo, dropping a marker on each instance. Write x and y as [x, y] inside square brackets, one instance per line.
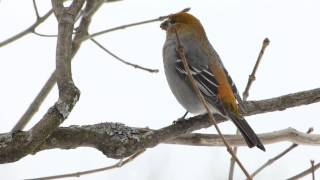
[114, 92]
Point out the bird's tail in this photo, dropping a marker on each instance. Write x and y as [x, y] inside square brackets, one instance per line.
[247, 132]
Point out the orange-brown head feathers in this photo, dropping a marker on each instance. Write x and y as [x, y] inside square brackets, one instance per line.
[185, 24]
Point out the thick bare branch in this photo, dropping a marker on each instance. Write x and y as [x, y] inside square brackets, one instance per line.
[118, 141]
[68, 93]
[82, 30]
[12, 145]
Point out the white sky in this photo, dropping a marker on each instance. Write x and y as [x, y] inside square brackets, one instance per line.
[108, 88]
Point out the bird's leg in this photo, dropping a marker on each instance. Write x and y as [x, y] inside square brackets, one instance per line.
[181, 119]
[13, 133]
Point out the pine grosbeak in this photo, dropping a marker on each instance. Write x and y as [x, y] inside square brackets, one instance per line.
[208, 71]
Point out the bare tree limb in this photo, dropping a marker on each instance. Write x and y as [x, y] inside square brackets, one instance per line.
[304, 173]
[82, 173]
[118, 141]
[282, 102]
[252, 78]
[289, 134]
[81, 35]
[274, 159]
[82, 30]
[12, 146]
[68, 93]
[122, 60]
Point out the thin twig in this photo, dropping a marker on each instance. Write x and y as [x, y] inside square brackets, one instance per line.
[78, 174]
[44, 35]
[312, 166]
[205, 104]
[122, 60]
[161, 18]
[304, 173]
[27, 30]
[277, 157]
[36, 9]
[34, 106]
[232, 161]
[252, 77]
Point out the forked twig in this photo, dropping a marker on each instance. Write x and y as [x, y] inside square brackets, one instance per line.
[312, 166]
[304, 173]
[245, 95]
[78, 174]
[122, 60]
[36, 9]
[205, 104]
[274, 159]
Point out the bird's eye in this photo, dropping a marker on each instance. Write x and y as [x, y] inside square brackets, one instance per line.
[171, 21]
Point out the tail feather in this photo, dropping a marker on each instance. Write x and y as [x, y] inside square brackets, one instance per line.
[247, 132]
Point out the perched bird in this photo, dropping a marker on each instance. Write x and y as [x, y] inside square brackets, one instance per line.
[207, 70]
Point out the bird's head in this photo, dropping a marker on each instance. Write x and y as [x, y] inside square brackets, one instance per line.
[185, 24]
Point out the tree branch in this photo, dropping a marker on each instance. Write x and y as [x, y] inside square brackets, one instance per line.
[277, 157]
[36, 9]
[68, 93]
[118, 141]
[289, 134]
[12, 146]
[122, 60]
[82, 30]
[252, 77]
[81, 34]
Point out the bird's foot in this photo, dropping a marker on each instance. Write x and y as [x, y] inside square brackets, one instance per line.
[181, 119]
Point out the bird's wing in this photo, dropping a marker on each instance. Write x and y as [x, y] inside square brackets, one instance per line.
[235, 90]
[233, 86]
[206, 82]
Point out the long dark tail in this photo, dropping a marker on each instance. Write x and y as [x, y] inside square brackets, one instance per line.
[247, 132]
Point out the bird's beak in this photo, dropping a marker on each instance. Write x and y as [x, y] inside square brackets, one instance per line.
[164, 25]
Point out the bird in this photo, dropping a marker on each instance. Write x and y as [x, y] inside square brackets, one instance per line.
[208, 71]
